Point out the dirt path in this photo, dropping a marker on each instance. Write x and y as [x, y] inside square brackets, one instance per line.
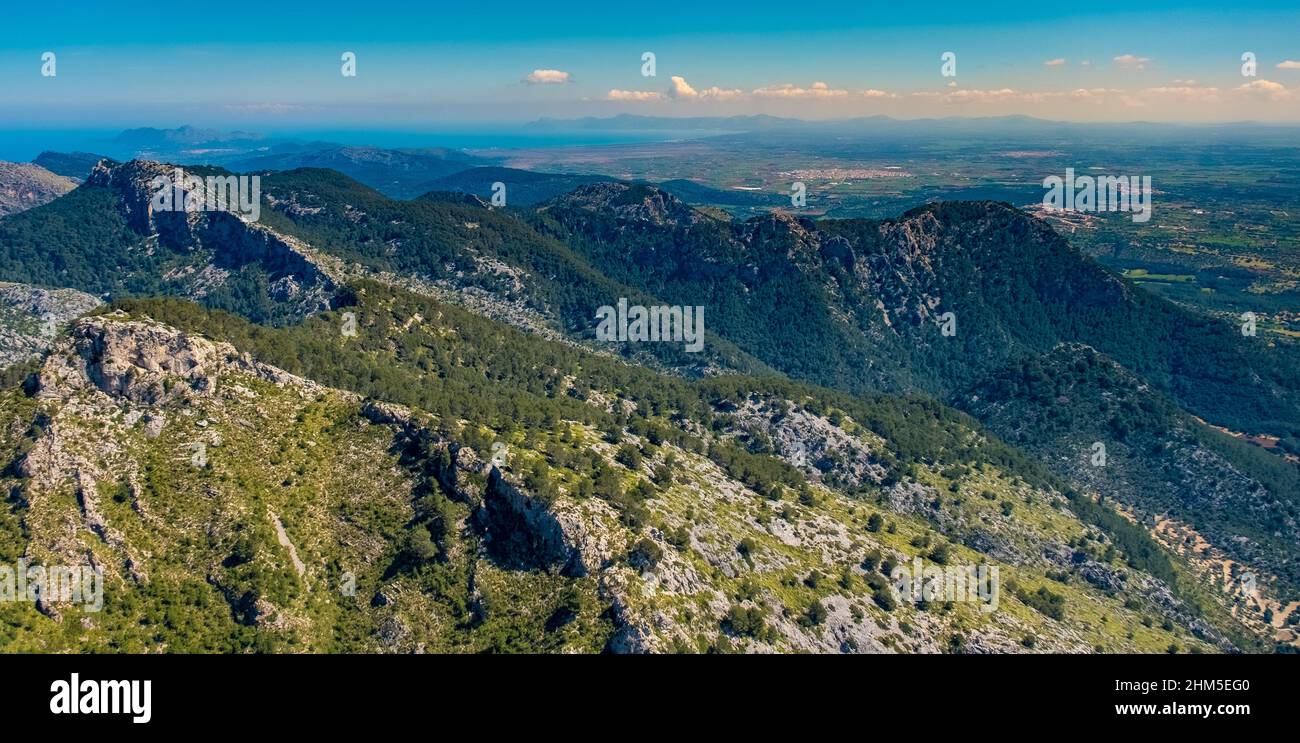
[283, 536]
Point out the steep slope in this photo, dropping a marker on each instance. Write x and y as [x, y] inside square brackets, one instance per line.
[1160, 462]
[851, 304]
[859, 305]
[25, 185]
[234, 507]
[317, 228]
[31, 317]
[105, 237]
[482, 258]
[846, 302]
[752, 278]
[691, 504]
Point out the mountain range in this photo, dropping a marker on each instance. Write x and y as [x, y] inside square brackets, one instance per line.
[398, 388]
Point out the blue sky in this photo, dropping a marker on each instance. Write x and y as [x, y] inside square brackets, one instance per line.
[126, 63]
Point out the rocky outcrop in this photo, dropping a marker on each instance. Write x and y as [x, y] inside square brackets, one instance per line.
[110, 377]
[1156, 463]
[821, 449]
[524, 531]
[300, 277]
[632, 203]
[30, 318]
[145, 362]
[446, 462]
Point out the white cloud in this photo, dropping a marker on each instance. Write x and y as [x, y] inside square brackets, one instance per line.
[975, 95]
[1267, 89]
[1288, 64]
[972, 95]
[1175, 93]
[1131, 61]
[633, 95]
[1090, 94]
[1194, 93]
[816, 90]
[547, 77]
[680, 88]
[721, 94]
[1058, 62]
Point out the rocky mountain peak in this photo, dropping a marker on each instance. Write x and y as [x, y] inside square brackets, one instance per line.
[298, 275]
[632, 202]
[132, 182]
[144, 362]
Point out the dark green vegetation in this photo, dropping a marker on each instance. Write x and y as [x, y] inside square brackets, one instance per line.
[853, 305]
[1224, 215]
[1159, 458]
[195, 561]
[511, 382]
[522, 187]
[527, 188]
[447, 241]
[71, 164]
[95, 246]
[802, 296]
[402, 174]
[859, 304]
[507, 379]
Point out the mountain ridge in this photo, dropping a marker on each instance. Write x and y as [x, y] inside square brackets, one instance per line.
[869, 295]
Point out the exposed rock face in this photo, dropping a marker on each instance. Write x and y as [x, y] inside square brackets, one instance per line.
[812, 443]
[1156, 461]
[31, 316]
[24, 185]
[132, 181]
[448, 463]
[633, 203]
[522, 531]
[108, 379]
[122, 404]
[299, 275]
[300, 278]
[793, 239]
[565, 537]
[145, 362]
[902, 274]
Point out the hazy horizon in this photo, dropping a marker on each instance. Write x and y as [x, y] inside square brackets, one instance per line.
[299, 65]
[21, 144]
